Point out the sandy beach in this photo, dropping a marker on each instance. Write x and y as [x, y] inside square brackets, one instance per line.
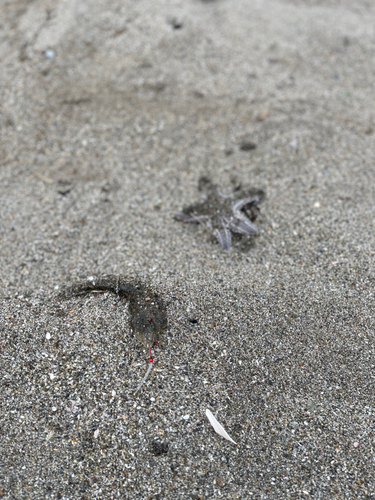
[110, 114]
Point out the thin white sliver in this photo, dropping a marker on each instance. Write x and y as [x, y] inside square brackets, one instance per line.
[218, 427]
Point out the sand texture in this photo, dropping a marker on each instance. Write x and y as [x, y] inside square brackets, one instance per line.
[110, 114]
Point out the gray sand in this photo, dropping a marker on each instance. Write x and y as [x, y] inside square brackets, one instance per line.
[103, 138]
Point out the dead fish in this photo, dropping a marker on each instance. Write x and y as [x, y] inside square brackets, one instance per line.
[148, 318]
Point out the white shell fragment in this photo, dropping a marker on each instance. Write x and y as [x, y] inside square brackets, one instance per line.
[218, 427]
[49, 54]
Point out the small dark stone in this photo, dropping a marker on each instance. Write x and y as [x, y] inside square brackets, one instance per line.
[176, 25]
[158, 449]
[9, 122]
[247, 145]
[23, 53]
[193, 320]
[64, 187]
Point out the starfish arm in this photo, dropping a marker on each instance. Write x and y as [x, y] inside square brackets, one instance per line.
[225, 221]
[239, 204]
[242, 226]
[223, 237]
[225, 196]
[182, 216]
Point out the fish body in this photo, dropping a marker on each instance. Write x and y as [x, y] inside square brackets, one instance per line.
[148, 318]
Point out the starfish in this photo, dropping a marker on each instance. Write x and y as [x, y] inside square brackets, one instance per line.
[224, 214]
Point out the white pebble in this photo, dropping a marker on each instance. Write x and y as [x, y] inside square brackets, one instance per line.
[52, 376]
[186, 417]
[50, 54]
[48, 335]
[294, 144]
[96, 433]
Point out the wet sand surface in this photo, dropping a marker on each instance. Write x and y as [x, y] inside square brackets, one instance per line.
[111, 112]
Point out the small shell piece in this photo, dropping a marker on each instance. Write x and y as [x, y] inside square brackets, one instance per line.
[218, 428]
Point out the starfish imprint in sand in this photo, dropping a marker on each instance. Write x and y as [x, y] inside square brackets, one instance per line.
[224, 214]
